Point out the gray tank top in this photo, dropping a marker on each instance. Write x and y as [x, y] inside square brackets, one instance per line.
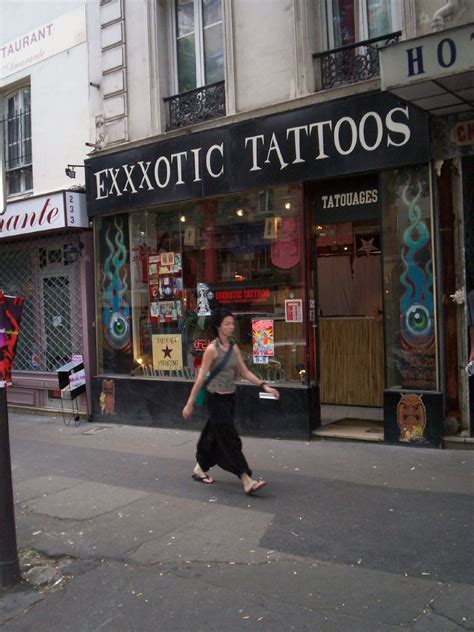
[224, 382]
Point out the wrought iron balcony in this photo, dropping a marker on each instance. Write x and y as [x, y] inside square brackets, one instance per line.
[196, 106]
[353, 62]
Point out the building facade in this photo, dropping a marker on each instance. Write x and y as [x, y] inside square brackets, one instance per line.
[46, 243]
[248, 155]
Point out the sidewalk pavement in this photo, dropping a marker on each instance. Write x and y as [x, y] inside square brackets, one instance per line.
[114, 535]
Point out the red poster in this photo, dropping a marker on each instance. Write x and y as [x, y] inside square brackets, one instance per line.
[10, 314]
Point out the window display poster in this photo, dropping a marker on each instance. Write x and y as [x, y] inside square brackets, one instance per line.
[170, 263]
[167, 352]
[294, 310]
[272, 228]
[263, 342]
[190, 235]
[165, 287]
[166, 311]
[204, 297]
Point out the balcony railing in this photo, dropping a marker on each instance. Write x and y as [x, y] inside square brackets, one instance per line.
[196, 106]
[353, 62]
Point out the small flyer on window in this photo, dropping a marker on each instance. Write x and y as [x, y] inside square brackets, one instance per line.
[170, 263]
[263, 343]
[167, 352]
[294, 310]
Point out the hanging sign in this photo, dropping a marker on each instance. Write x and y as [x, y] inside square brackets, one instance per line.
[167, 352]
[10, 316]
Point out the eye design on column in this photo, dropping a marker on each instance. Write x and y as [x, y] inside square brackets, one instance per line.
[118, 328]
[418, 320]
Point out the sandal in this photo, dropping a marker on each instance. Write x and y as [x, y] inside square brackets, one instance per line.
[255, 487]
[206, 479]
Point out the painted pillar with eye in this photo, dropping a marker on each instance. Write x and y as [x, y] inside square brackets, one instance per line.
[116, 310]
[416, 304]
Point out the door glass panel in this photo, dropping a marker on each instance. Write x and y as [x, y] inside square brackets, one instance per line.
[211, 11]
[343, 27]
[186, 63]
[379, 18]
[184, 17]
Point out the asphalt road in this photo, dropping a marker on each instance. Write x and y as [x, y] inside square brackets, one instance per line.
[346, 536]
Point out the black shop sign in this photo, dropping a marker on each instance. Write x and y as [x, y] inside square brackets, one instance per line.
[363, 133]
[347, 199]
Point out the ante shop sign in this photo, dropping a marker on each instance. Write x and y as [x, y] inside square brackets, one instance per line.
[65, 209]
[369, 132]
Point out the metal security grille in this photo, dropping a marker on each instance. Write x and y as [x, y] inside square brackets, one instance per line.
[46, 272]
[16, 128]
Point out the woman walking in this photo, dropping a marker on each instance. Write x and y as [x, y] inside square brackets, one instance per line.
[219, 443]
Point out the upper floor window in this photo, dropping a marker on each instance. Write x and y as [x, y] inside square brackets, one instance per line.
[351, 21]
[199, 43]
[17, 137]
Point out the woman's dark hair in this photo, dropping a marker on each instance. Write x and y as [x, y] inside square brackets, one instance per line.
[217, 317]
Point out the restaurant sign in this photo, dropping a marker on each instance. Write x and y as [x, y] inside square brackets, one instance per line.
[364, 133]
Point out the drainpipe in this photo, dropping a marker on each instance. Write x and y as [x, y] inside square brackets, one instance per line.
[445, 13]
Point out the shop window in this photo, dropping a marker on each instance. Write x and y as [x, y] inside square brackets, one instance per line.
[18, 146]
[354, 30]
[351, 21]
[242, 252]
[409, 280]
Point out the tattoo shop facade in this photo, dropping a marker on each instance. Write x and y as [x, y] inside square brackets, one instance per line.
[315, 227]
